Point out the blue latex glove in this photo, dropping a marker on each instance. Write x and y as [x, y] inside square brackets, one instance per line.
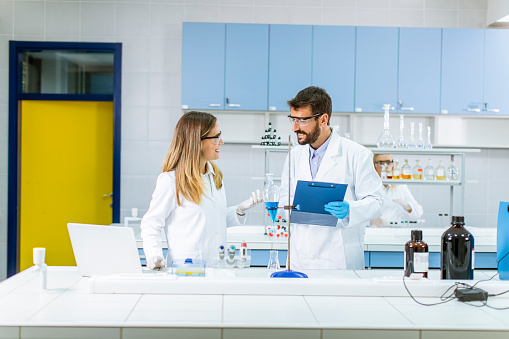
[339, 209]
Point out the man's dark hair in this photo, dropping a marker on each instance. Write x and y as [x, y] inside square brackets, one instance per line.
[315, 97]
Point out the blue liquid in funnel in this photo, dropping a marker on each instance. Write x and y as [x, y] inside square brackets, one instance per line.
[272, 208]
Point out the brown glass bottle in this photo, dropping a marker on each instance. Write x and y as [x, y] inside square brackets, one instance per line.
[416, 255]
[457, 253]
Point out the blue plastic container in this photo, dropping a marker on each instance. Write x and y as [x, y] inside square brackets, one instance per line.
[503, 240]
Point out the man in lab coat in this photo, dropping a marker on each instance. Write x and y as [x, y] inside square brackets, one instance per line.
[323, 155]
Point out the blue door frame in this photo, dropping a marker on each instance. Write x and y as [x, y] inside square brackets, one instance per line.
[15, 95]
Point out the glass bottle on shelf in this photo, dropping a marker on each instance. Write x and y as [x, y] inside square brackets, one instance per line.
[388, 171]
[396, 172]
[440, 171]
[406, 171]
[385, 140]
[420, 142]
[428, 143]
[411, 142]
[401, 141]
[417, 171]
[452, 172]
[429, 171]
[383, 173]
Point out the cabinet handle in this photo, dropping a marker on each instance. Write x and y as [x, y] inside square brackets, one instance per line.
[215, 105]
[233, 105]
[496, 110]
[272, 108]
[407, 108]
[358, 109]
[473, 109]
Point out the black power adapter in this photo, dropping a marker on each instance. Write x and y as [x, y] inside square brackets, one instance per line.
[471, 294]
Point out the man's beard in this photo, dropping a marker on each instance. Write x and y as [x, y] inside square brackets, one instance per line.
[309, 137]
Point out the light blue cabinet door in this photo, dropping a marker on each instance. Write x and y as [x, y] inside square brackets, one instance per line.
[334, 64]
[376, 68]
[462, 71]
[289, 63]
[419, 70]
[247, 63]
[496, 71]
[203, 52]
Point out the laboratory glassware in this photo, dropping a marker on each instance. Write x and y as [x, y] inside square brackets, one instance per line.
[452, 172]
[385, 140]
[383, 173]
[417, 171]
[428, 143]
[401, 141]
[411, 142]
[457, 251]
[416, 255]
[273, 261]
[406, 171]
[389, 171]
[420, 142]
[429, 171]
[440, 171]
[271, 197]
[396, 172]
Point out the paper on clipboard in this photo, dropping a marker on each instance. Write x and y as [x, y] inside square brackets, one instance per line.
[310, 197]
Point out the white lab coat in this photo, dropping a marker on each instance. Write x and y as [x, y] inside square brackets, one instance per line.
[340, 247]
[192, 231]
[394, 212]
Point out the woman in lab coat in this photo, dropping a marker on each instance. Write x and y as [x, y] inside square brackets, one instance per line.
[398, 202]
[189, 200]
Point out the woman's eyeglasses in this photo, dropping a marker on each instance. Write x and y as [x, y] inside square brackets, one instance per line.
[215, 139]
[302, 121]
[384, 163]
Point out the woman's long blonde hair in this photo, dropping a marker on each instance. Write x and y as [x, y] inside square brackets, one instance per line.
[183, 156]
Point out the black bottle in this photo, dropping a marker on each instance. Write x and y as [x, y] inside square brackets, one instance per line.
[457, 253]
[416, 252]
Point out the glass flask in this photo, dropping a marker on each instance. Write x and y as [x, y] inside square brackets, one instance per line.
[440, 171]
[452, 172]
[388, 171]
[411, 142]
[428, 143]
[385, 140]
[417, 171]
[271, 197]
[429, 171]
[406, 171]
[396, 172]
[401, 141]
[273, 264]
[420, 142]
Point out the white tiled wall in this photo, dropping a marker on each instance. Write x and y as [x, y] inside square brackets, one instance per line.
[151, 30]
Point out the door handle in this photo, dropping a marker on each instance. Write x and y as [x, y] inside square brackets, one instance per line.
[407, 108]
[496, 110]
[108, 195]
[215, 105]
[473, 109]
[233, 105]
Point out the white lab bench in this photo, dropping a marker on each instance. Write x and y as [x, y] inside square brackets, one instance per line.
[383, 246]
[349, 304]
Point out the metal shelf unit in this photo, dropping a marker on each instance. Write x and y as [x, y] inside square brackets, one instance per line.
[452, 152]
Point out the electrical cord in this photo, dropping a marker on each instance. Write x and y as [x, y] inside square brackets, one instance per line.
[452, 296]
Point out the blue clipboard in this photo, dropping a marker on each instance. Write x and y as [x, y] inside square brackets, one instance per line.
[310, 197]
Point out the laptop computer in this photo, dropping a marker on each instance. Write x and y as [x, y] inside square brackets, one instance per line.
[104, 250]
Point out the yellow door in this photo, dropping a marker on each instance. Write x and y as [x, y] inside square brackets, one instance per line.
[66, 174]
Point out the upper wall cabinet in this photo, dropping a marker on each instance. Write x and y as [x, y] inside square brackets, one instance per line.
[462, 71]
[376, 78]
[419, 70]
[496, 71]
[203, 57]
[247, 61]
[289, 63]
[334, 64]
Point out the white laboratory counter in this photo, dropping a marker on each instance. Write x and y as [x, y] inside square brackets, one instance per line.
[364, 304]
